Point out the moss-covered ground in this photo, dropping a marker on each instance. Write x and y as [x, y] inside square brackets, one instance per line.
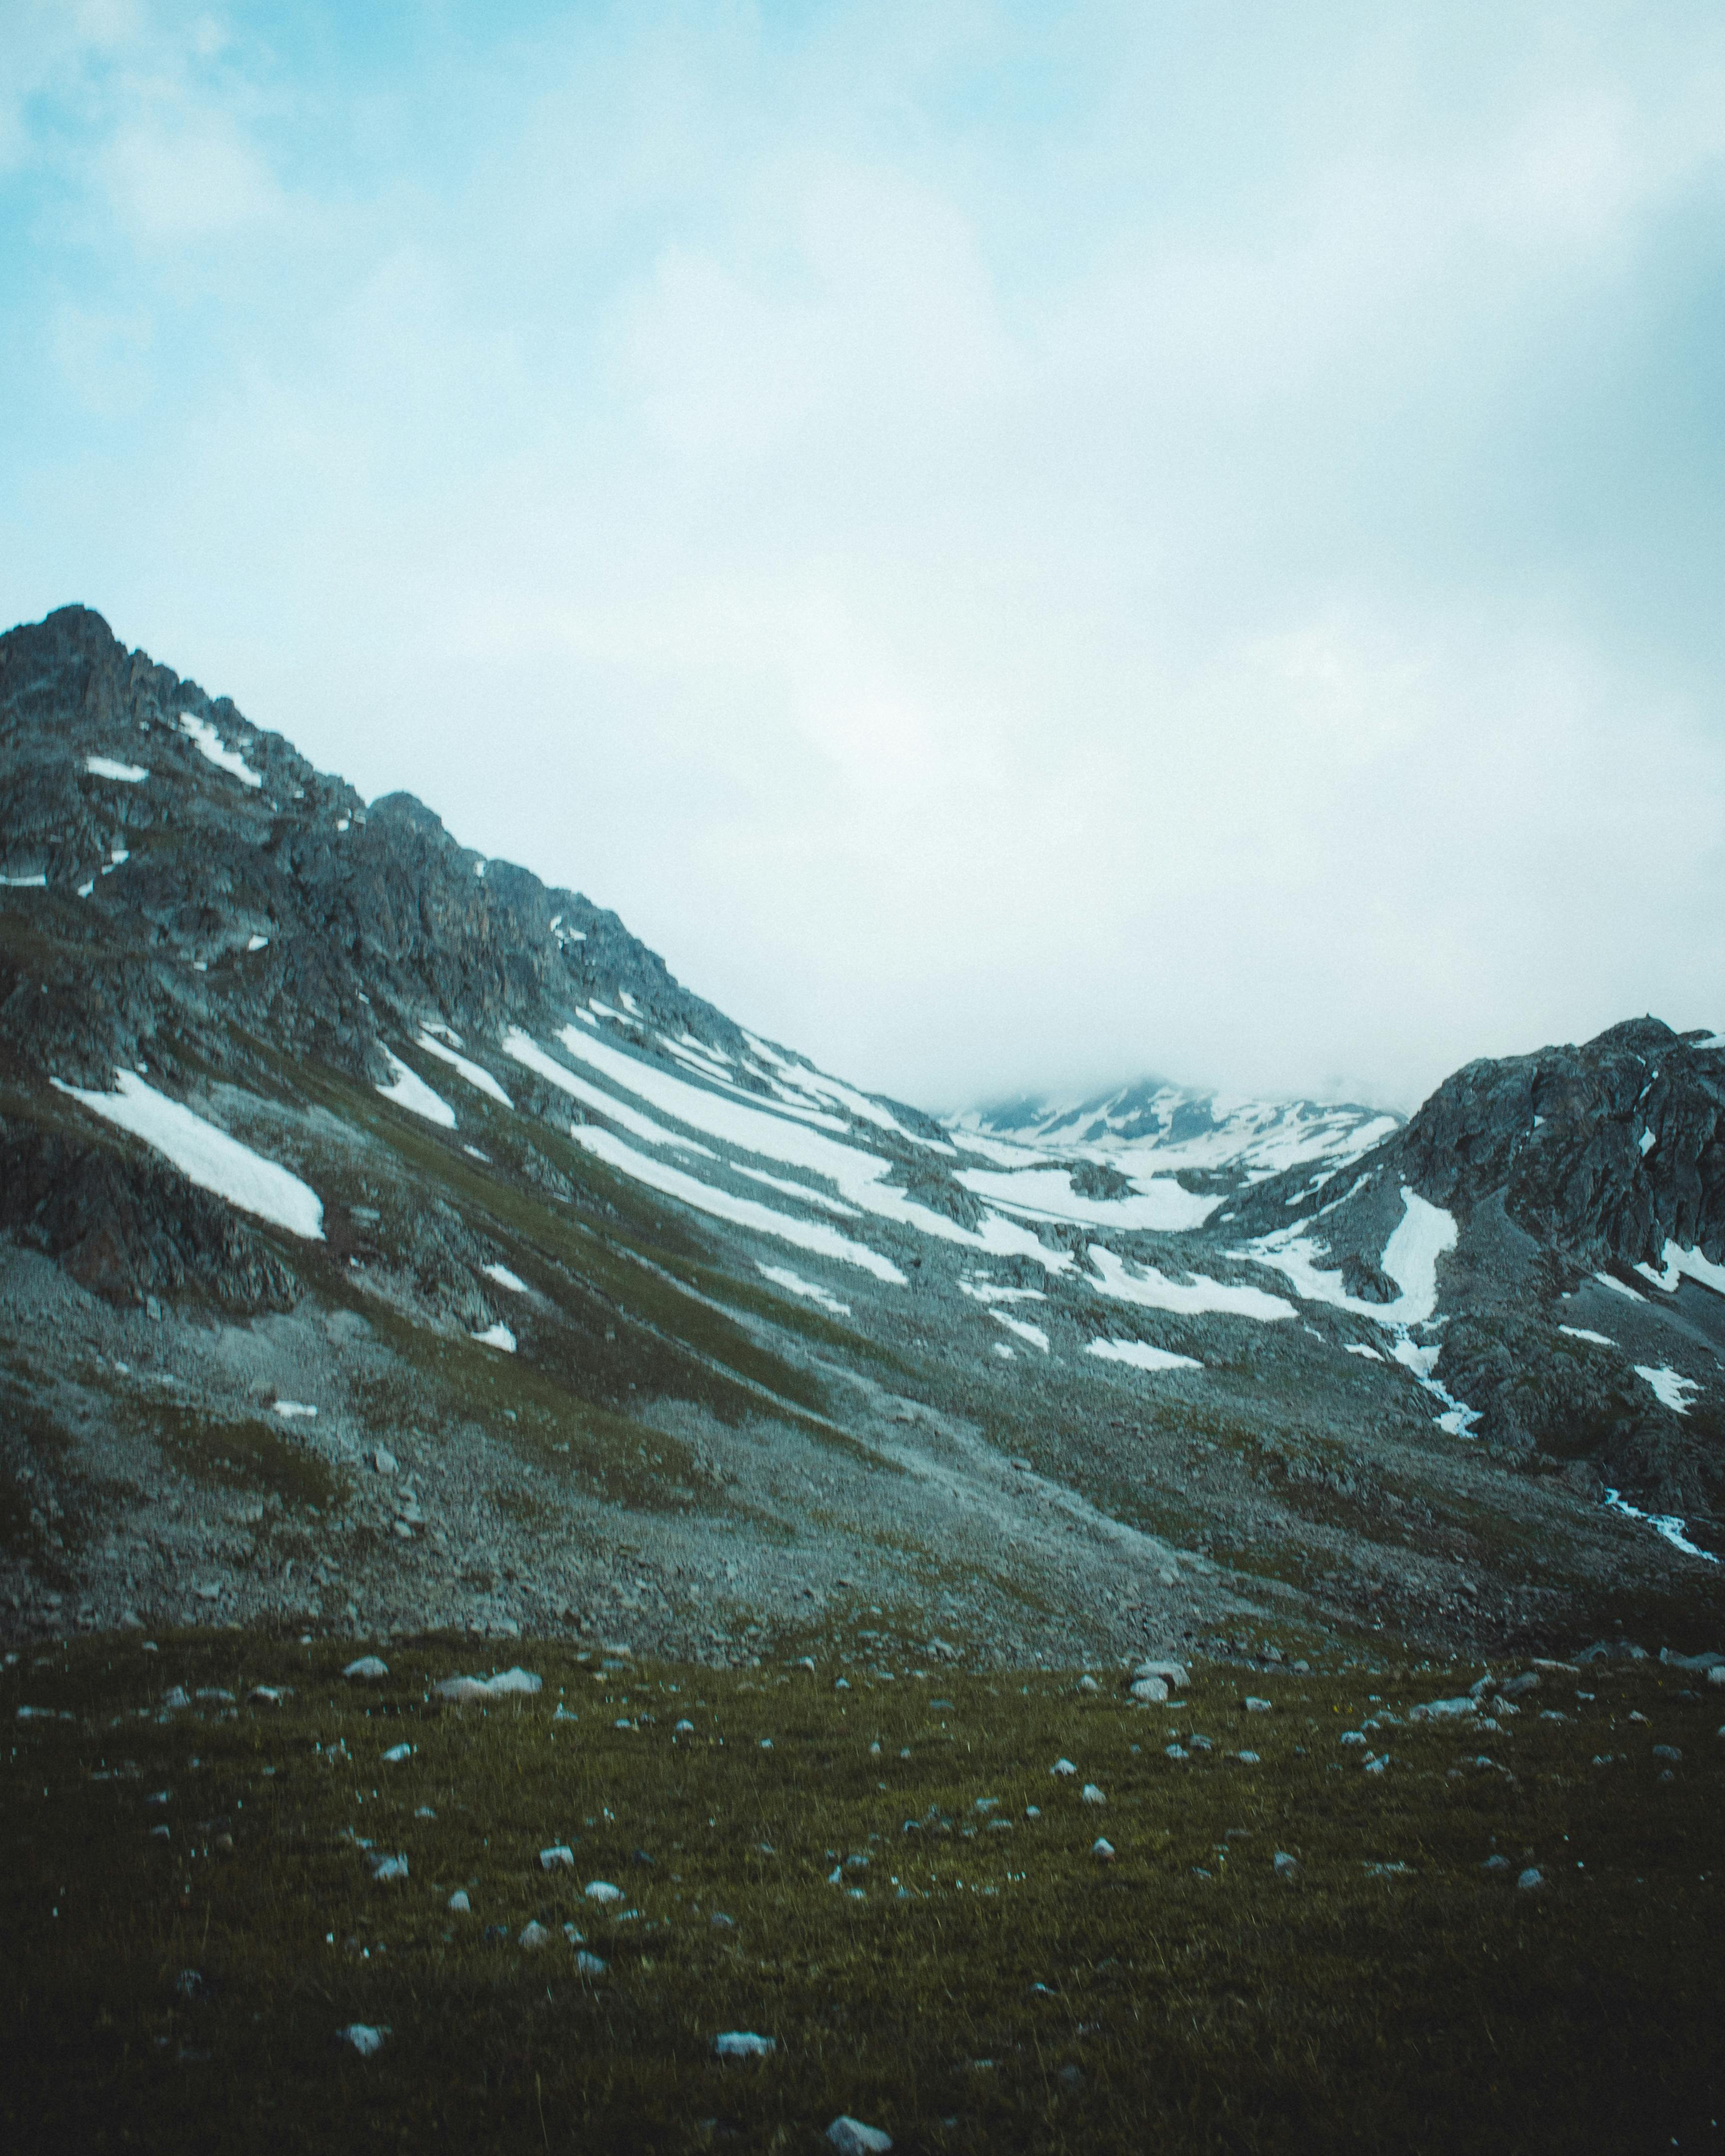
[191, 1916]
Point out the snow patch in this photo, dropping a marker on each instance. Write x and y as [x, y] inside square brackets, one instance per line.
[210, 742]
[1667, 1525]
[1142, 1355]
[1422, 1236]
[409, 1090]
[207, 1156]
[496, 1336]
[1581, 1332]
[105, 767]
[504, 1278]
[1679, 1265]
[783, 1277]
[1196, 1297]
[476, 1074]
[1671, 1387]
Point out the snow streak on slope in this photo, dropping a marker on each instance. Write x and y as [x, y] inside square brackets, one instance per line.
[409, 1090]
[1680, 1263]
[1197, 1297]
[741, 1212]
[859, 1177]
[1142, 1355]
[476, 1074]
[207, 1156]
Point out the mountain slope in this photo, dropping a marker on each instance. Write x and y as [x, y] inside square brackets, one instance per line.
[388, 1237]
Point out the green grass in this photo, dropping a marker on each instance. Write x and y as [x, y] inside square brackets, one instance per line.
[1183, 1997]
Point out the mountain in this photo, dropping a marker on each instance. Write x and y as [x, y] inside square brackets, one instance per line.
[387, 1238]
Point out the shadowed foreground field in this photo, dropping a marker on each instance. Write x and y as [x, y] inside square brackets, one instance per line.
[191, 1912]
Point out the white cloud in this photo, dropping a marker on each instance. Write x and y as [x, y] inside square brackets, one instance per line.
[1149, 571]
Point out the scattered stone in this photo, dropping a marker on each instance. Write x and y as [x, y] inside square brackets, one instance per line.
[588, 1964]
[1091, 1794]
[1447, 1710]
[1247, 1758]
[383, 1460]
[1667, 1752]
[1063, 1766]
[397, 1754]
[369, 1669]
[1286, 1866]
[851, 2138]
[1103, 1848]
[534, 1936]
[1494, 1863]
[459, 1904]
[1149, 1691]
[1531, 1878]
[178, 1697]
[264, 1695]
[386, 1868]
[1257, 1705]
[684, 1728]
[558, 1857]
[365, 2039]
[602, 1892]
[1088, 1683]
[744, 2044]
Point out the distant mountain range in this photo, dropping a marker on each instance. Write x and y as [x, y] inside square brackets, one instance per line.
[387, 1237]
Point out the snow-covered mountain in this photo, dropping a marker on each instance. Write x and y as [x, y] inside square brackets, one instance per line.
[326, 1143]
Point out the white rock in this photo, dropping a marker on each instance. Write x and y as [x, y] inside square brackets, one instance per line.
[1063, 1766]
[364, 2038]
[534, 1936]
[367, 1670]
[744, 2044]
[588, 1964]
[383, 1460]
[1446, 1710]
[1091, 1794]
[1287, 1866]
[851, 2138]
[1102, 1847]
[1149, 1691]
[458, 1902]
[684, 1728]
[1257, 1705]
[499, 1687]
[397, 1752]
[1174, 1675]
[602, 1892]
[386, 1868]
[558, 1857]
[1531, 1878]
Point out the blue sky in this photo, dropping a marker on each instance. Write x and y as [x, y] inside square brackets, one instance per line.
[1016, 544]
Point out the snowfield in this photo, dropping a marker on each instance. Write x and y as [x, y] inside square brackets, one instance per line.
[1425, 1234]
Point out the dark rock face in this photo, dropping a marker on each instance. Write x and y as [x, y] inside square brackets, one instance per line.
[191, 902]
[1606, 1151]
[129, 1228]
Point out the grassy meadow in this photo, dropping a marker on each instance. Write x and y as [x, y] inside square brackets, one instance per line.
[885, 1877]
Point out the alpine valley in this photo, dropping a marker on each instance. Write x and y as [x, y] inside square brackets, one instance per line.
[388, 1242]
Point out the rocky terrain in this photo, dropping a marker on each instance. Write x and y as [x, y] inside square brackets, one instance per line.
[387, 1238]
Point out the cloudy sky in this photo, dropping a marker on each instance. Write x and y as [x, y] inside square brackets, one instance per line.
[1015, 543]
